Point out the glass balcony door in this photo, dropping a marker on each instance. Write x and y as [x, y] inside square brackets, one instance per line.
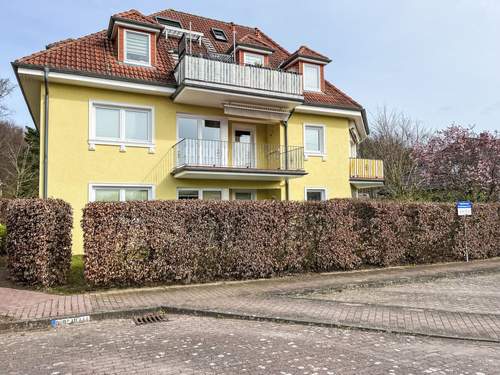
[201, 142]
[244, 152]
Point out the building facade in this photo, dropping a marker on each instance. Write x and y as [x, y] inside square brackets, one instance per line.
[177, 106]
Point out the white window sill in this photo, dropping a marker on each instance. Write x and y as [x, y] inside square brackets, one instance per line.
[123, 145]
[137, 63]
[308, 155]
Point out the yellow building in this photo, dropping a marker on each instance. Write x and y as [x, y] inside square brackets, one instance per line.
[176, 106]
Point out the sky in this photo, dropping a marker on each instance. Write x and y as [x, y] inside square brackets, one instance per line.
[436, 61]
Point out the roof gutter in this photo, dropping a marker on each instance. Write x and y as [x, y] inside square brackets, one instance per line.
[46, 134]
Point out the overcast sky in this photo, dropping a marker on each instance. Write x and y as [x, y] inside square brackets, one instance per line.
[436, 60]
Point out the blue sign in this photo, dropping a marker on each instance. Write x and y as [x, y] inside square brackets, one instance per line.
[464, 208]
[464, 204]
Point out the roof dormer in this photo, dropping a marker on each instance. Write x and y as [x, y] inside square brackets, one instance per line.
[310, 64]
[252, 50]
[134, 37]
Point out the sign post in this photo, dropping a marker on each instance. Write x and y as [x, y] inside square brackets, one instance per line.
[464, 208]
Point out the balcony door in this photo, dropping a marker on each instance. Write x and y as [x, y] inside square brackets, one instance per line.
[201, 141]
[244, 146]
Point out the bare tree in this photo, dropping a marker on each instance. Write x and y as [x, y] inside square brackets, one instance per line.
[18, 163]
[5, 89]
[393, 137]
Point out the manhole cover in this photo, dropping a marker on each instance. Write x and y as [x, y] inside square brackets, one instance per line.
[149, 318]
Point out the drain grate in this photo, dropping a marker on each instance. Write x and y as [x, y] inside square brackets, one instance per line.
[149, 318]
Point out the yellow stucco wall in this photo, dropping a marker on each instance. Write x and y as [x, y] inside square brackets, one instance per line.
[72, 166]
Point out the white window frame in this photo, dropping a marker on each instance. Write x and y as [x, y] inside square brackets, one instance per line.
[224, 193]
[123, 187]
[135, 62]
[322, 190]
[318, 68]
[322, 151]
[121, 141]
[249, 54]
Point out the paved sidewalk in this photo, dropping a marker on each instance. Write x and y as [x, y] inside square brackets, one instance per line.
[428, 302]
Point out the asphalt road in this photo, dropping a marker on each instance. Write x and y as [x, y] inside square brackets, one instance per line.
[193, 345]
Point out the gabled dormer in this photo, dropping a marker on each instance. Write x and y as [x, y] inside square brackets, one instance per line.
[310, 64]
[134, 38]
[252, 50]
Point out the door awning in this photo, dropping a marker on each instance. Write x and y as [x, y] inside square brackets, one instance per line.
[254, 111]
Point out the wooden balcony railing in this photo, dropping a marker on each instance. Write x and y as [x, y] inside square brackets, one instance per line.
[366, 169]
[219, 72]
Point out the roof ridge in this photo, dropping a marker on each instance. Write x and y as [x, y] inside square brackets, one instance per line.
[196, 15]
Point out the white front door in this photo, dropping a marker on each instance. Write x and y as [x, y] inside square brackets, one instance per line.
[244, 147]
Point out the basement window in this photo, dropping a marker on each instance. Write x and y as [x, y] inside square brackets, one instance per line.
[315, 194]
[219, 34]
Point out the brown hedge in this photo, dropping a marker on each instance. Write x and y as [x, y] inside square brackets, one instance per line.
[39, 241]
[163, 241]
[3, 209]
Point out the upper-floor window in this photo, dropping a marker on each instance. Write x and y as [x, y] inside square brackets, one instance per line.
[314, 139]
[124, 125]
[219, 35]
[312, 77]
[253, 59]
[169, 22]
[137, 48]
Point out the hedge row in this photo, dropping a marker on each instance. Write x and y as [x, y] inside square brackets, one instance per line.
[161, 241]
[39, 241]
[3, 228]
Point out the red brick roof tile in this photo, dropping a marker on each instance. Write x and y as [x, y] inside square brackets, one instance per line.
[94, 54]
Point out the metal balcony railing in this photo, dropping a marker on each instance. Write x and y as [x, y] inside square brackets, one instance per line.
[217, 71]
[223, 154]
[366, 169]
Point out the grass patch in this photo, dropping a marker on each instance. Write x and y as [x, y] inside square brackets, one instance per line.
[76, 281]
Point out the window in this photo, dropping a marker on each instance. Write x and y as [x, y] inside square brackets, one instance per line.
[169, 22]
[137, 49]
[315, 194]
[312, 77]
[244, 195]
[123, 125]
[114, 193]
[253, 59]
[219, 34]
[314, 139]
[205, 194]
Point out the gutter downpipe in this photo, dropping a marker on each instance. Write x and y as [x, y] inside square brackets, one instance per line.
[46, 134]
[285, 125]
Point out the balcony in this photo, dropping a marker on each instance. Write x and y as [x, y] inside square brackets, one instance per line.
[208, 159]
[366, 173]
[227, 82]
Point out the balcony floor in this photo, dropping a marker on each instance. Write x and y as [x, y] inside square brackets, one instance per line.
[234, 173]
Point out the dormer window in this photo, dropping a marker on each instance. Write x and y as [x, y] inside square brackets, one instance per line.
[253, 59]
[312, 77]
[137, 48]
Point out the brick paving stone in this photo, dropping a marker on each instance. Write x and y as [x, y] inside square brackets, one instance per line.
[194, 345]
[457, 300]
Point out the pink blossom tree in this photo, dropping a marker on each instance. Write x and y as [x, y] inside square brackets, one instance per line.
[461, 163]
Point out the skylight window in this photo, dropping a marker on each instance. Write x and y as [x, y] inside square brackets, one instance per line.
[219, 34]
[169, 22]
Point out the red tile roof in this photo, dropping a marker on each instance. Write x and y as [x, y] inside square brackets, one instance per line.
[255, 41]
[135, 15]
[95, 54]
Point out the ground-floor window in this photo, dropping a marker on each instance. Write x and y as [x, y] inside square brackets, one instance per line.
[205, 194]
[244, 195]
[120, 193]
[315, 194]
